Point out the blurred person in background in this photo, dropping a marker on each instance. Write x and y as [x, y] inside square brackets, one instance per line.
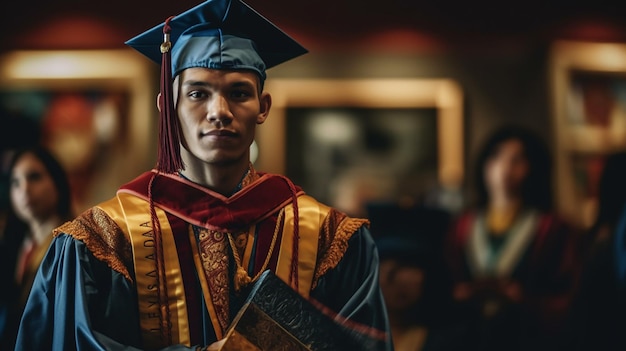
[16, 131]
[39, 201]
[413, 276]
[511, 257]
[597, 321]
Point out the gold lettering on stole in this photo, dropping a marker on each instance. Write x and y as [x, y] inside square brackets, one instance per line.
[137, 218]
[147, 283]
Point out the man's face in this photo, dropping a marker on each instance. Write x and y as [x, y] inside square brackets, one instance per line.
[218, 112]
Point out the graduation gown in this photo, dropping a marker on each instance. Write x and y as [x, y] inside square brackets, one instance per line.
[110, 281]
[537, 254]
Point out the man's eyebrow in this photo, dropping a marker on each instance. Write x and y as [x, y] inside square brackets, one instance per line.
[200, 83]
[242, 83]
[197, 83]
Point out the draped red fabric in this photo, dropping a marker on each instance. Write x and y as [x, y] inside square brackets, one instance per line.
[208, 209]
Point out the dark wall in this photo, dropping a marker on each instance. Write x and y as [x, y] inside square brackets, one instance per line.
[324, 24]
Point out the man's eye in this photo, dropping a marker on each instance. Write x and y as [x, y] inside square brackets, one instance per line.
[196, 94]
[239, 94]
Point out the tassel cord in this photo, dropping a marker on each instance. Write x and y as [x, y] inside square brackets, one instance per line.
[241, 275]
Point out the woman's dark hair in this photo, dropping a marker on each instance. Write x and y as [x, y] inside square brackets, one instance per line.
[57, 173]
[15, 229]
[537, 187]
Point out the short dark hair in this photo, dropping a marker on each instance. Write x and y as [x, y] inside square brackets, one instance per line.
[537, 187]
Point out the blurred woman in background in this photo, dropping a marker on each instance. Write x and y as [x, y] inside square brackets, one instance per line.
[511, 257]
[40, 201]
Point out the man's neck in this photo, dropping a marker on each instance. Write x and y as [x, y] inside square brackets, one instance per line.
[221, 178]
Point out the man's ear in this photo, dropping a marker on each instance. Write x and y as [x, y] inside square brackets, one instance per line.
[158, 103]
[265, 104]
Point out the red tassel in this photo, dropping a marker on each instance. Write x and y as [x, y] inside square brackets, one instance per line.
[168, 154]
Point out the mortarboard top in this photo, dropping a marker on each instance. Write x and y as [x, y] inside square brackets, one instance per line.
[220, 34]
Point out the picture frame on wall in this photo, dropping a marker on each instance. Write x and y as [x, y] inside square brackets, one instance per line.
[588, 84]
[353, 141]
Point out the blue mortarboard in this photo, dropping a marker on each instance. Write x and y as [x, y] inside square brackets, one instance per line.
[217, 34]
[220, 34]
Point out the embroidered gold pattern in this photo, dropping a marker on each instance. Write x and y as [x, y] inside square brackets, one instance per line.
[335, 233]
[103, 237]
[327, 232]
[214, 256]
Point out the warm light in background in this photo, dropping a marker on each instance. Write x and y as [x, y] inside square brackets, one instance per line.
[68, 65]
[97, 114]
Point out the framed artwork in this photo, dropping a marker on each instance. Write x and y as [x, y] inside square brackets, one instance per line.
[92, 109]
[588, 82]
[351, 142]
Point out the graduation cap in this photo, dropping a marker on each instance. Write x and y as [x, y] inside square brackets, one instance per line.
[220, 34]
[216, 34]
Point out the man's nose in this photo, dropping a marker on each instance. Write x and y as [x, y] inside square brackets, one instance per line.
[218, 110]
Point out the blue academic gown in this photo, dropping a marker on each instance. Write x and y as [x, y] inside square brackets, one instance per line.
[79, 303]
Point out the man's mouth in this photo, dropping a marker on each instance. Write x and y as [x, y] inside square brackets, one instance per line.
[219, 133]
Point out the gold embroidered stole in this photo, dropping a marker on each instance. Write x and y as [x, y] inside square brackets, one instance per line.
[311, 217]
[132, 214]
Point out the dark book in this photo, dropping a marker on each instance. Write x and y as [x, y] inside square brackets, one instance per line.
[275, 317]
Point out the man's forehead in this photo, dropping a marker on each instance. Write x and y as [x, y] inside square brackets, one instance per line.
[208, 76]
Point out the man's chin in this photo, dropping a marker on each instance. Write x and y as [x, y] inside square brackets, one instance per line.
[225, 161]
